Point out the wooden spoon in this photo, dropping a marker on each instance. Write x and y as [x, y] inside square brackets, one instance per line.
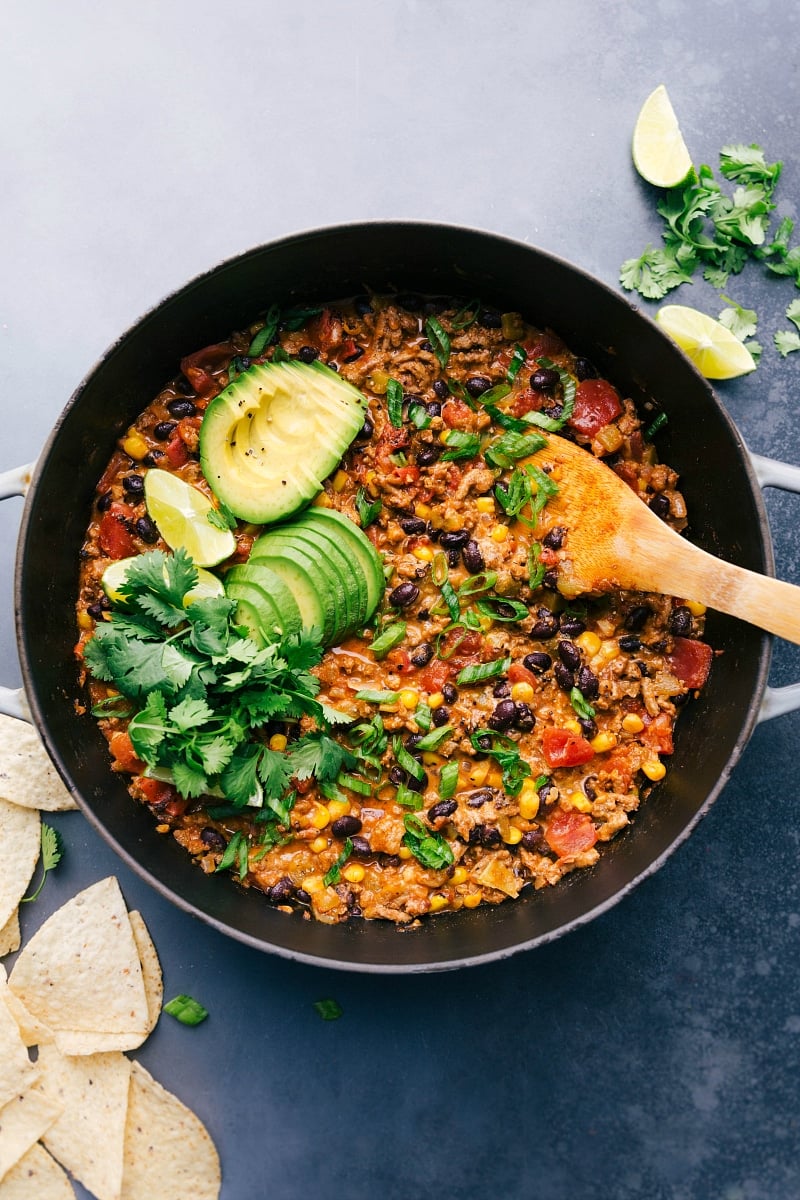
[615, 541]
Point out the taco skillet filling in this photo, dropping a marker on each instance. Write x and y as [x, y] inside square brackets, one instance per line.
[438, 732]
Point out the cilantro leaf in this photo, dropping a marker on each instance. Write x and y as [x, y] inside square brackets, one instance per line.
[319, 755]
[787, 341]
[367, 509]
[747, 163]
[51, 851]
[793, 313]
[428, 847]
[654, 273]
[329, 1010]
[742, 322]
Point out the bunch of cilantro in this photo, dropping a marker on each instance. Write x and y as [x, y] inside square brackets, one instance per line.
[706, 228]
[199, 691]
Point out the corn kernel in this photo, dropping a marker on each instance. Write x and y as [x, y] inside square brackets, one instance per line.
[477, 775]
[432, 759]
[528, 801]
[696, 608]
[423, 553]
[354, 872]
[313, 884]
[512, 836]
[573, 727]
[371, 476]
[459, 875]
[452, 522]
[378, 381]
[162, 828]
[338, 808]
[277, 741]
[494, 777]
[602, 742]
[654, 769]
[84, 620]
[319, 844]
[485, 504]
[435, 700]
[485, 622]
[607, 653]
[580, 802]
[135, 447]
[589, 642]
[443, 436]
[323, 500]
[340, 481]
[404, 852]
[472, 900]
[423, 511]
[500, 533]
[437, 902]
[632, 723]
[321, 817]
[409, 698]
[522, 692]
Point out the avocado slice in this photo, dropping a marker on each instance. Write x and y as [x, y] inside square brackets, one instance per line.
[274, 434]
[267, 593]
[316, 593]
[354, 542]
[249, 616]
[345, 572]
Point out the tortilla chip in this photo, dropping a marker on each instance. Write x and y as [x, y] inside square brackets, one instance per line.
[151, 969]
[19, 854]
[36, 1175]
[32, 1032]
[22, 1122]
[89, 1135]
[27, 777]
[17, 1071]
[168, 1151]
[10, 935]
[80, 972]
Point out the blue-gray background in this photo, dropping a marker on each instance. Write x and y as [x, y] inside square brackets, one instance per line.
[653, 1054]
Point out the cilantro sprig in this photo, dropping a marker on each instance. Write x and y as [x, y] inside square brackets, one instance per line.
[51, 851]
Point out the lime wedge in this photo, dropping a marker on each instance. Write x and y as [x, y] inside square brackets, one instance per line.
[182, 513]
[116, 573]
[711, 346]
[659, 151]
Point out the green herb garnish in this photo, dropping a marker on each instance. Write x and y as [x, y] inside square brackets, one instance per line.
[374, 696]
[390, 637]
[264, 336]
[332, 874]
[660, 421]
[439, 340]
[478, 672]
[505, 450]
[51, 851]
[436, 738]
[536, 568]
[448, 780]
[394, 402]
[467, 315]
[329, 1010]
[237, 851]
[429, 848]
[186, 1009]
[367, 509]
[581, 705]
[502, 608]
[506, 754]
[518, 359]
[407, 761]
[460, 445]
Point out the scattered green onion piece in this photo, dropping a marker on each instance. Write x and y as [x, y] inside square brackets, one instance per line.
[471, 620]
[390, 637]
[511, 446]
[448, 780]
[467, 315]
[436, 738]
[451, 600]
[419, 415]
[457, 389]
[329, 1010]
[394, 402]
[541, 781]
[295, 317]
[186, 1009]
[478, 672]
[280, 355]
[372, 696]
[439, 569]
[439, 340]
[495, 394]
[406, 761]
[517, 362]
[399, 459]
[581, 705]
[536, 568]
[661, 420]
[112, 706]
[451, 650]
[483, 582]
[489, 606]
[460, 445]
[367, 509]
[423, 717]
[354, 784]
[516, 424]
[264, 336]
[332, 874]
[408, 799]
[232, 853]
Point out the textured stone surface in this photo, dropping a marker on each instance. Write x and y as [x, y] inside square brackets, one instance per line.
[653, 1055]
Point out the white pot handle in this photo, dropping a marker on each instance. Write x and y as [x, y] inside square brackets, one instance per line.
[771, 473]
[15, 483]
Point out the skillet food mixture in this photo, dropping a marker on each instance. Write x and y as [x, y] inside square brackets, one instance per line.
[354, 673]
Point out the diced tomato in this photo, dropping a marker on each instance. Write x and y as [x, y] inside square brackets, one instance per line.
[198, 367]
[456, 414]
[350, 350]
[154, 791]
[596, 403]
[176, 451]
[657, 733]
[548, 557]
[519, 674]
[400, 660]
[175, 807]
[123, 752]
[390, 441]
[564, 749]
[690, 660]
[406, 474]
[527, 401]
[434, 676]
[118, 460]
[546, 345]
[326, 330]
[619, 766]
[116, 540]
[570, 832]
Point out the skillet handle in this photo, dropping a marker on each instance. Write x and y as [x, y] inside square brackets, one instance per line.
[15, 483]
[771, 473]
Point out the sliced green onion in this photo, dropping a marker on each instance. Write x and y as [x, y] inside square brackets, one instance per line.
[265, 335]
[394, 402]
[295, 317]
[511, 446]
[332, 874]
[439, 340]
[478, 672]
[467, 315]
[661, 420]
[517, 362]
[408, 799]
[236, 366]
[495, 394]
[354, 784]
[329, 1010]
[420, 416]
[536, 568]
[391, 636]
[439, 568]
[399, 459]
[569, 388]
[461, 445]
[406, 761]
[186, 1009]
[367, 509]
[233, 853]
[280, 355]
[581, 705]
[451, 650]
[478, 583]
[377, 697]
[471, 620]
[457, 389]
[489, 606]
[451, 600]
[504, 420]
[448, 780]
[516, 494]
[423, 717]
[434, 739]
[112, 706]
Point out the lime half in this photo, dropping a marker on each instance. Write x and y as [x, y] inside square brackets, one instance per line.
[711, 346]
[116, 573]
[184, 517]
[659, 151]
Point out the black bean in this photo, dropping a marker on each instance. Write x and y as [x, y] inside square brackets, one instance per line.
[152, 457]
[537, 661]
[145, 529]
[403, 595]
[550, 579]
[423, 614]
[476, 385]
[366, 431]
[444, 808]
[453, 557]
[548, 793]
[346, 826]
[212, 838]
[589, 786]
[484, 742]
[425, 345]
[453, 539]
[554, 538]
[397, 776]
[680, 622]
[133, 484]
[544, 378]
[503, 715]
[659, 504]
[163, 430]
[479, 798]
[635, 617]
[532, 839]
[450, 693]
[630, 643]
[307, 354]
[643, 668]
[428, 454]
[490, 318]
[417, 785]
[524, 720]
[658, 647]
[501, 689]
[422, 655]
[585, 369]
[281, 891]
[473, 558]
[302, 896]
[412, 741]
[183, 386]
[434, 408]
[588, 683]
[546, 624]
[441, 389]
[440, 716]
[361, 847]
[490, 837]
[181, 408]
[390, 860]
[412, 525]
[571, 625]
[564, 677]
[681, 699]
[104, 502]
[569, 654]
[97, 609]
[588, 727]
